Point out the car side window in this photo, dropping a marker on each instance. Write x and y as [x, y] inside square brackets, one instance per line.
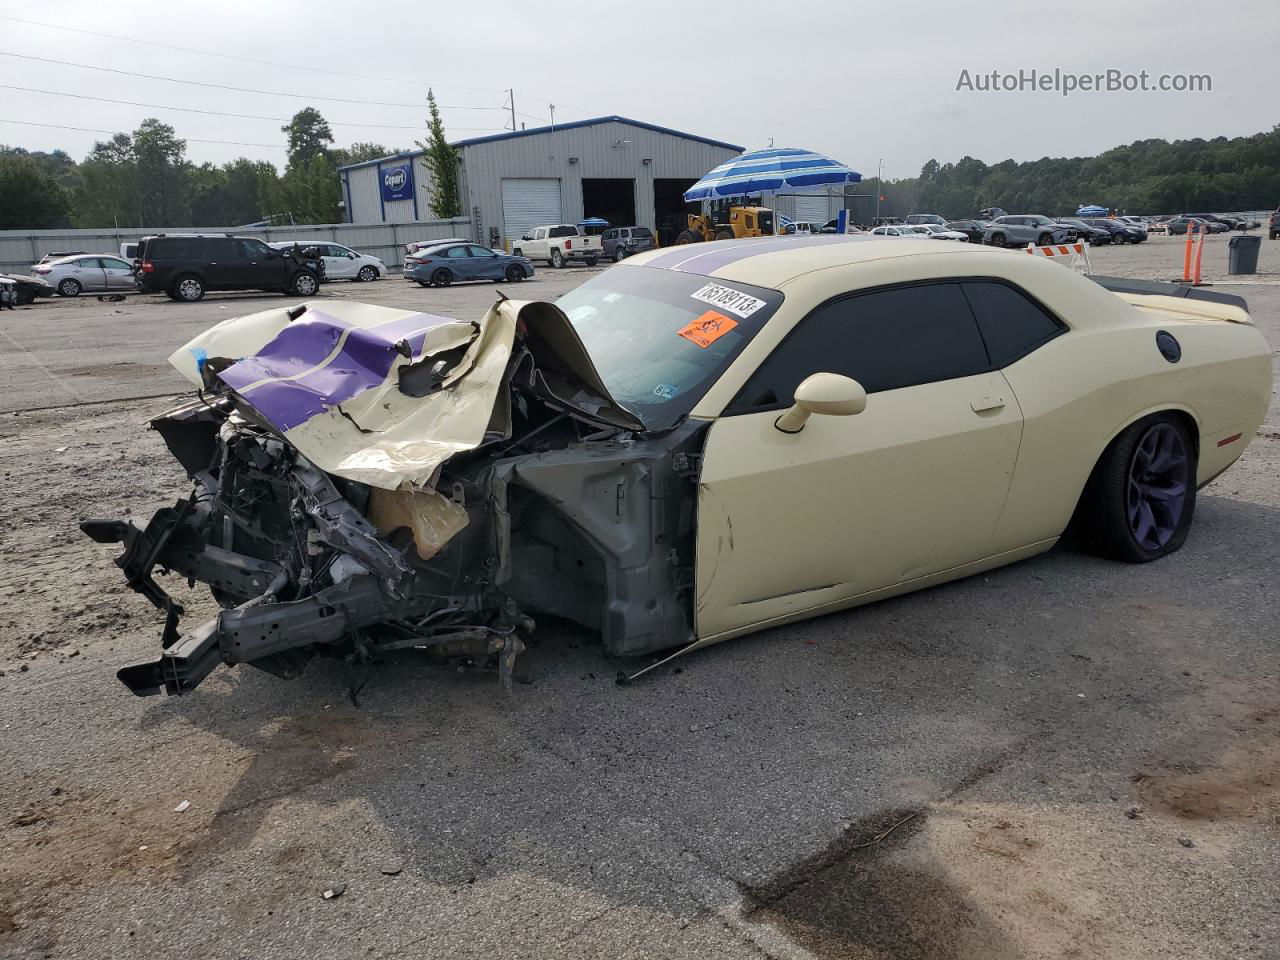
[112, 263]
[480, 251]
[221, 248]
[885, 339]
[457, 253]
[1012, 324]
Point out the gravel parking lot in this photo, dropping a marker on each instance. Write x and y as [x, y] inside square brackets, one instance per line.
[1062, 758]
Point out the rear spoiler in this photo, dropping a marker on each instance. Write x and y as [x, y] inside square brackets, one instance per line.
[1162, 289]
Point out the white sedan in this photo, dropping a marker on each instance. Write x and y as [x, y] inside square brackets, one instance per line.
[941, 233]
[340, 263]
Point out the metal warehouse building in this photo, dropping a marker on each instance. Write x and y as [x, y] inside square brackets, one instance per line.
[624, 171]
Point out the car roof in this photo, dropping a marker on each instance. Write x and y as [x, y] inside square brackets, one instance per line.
[774, 261]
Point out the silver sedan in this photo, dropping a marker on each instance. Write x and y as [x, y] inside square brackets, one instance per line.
[87, 273]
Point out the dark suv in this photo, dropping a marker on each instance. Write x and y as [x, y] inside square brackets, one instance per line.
[620, 242]
[185, 266]
[1273, 227]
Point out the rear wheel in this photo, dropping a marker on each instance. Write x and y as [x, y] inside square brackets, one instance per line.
[619, 253]
[724, 234]
[999, 240]
[69, 287]
[367, 274]
[441, 278]
[557, 259]
[188, 289]
[1141, 496]
[515, 273]
[688, 236]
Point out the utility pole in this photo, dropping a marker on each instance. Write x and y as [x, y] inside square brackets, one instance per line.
[552, 108]
[879, 185]
[512, 95]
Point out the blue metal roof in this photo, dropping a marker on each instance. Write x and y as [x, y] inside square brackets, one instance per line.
[532, 131]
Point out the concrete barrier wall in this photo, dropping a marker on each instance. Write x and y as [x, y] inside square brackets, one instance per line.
[19, 249]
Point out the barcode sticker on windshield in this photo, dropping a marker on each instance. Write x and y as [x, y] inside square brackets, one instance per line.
[725, 298]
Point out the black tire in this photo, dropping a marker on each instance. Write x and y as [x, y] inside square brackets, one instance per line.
[1115, 508]
[26, 296]
[592, 261]
[724, 234]
[557, 259]
[304, 284]
[619, 253]
[1043, 240]
[367, 274]
[999, 240]
[441, 278]
[70, 287]
[689, 236]
[515, 273]
[187, 289]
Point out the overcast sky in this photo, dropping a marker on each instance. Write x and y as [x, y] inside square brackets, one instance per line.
[858, 81]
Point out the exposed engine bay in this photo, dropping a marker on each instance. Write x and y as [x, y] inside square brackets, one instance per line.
[367, 479]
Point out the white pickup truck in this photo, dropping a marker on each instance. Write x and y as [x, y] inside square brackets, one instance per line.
[558, 243]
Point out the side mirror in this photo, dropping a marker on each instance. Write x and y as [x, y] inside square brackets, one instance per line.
[526, 237]
[823, 393]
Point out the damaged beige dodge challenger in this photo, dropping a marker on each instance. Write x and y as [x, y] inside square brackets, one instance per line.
[694, 444]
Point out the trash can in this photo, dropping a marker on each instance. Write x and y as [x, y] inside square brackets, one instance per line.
[1243, 252]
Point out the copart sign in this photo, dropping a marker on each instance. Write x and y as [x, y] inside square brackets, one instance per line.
[397, 182]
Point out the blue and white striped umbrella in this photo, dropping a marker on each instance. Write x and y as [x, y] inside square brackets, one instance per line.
[772, 169]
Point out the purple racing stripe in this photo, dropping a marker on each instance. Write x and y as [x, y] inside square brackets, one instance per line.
[299, 346]
[363, 362]
[689, 259]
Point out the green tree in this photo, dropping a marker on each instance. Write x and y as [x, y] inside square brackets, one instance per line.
[30, 198]
[310, 191]
[309, 136]
[441, 161]
[161, 174]
[360, 152]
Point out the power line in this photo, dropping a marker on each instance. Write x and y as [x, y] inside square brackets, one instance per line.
[266, 63]
[221, 86]
[59, 126]
[219, 113]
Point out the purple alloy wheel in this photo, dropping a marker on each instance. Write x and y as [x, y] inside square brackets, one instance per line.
[1157, 494]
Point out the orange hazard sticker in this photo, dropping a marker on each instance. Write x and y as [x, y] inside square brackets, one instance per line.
[708, 328]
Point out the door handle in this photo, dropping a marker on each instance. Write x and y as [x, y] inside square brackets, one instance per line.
[986, 404]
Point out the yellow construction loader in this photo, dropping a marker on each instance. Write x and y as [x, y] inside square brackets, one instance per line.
[725, 222]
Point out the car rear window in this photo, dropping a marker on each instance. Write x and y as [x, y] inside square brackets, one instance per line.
[641, 232]
[564, 231]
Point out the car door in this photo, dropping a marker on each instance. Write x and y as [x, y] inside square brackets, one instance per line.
[90, 273]
[487, 265]
[339, 262]
[536, 247]
[227, 264]
[261, 267]
[460, 262]
[913, 485]
[118, 274]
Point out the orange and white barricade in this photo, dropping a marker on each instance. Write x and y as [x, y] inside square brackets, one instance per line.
[1073, 255]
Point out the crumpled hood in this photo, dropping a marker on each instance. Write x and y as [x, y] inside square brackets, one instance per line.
[384, 396]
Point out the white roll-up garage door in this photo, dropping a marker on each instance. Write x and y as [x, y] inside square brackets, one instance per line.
[812, 209]
[529, 203]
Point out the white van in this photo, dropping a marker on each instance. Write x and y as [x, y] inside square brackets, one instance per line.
[129, 251]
